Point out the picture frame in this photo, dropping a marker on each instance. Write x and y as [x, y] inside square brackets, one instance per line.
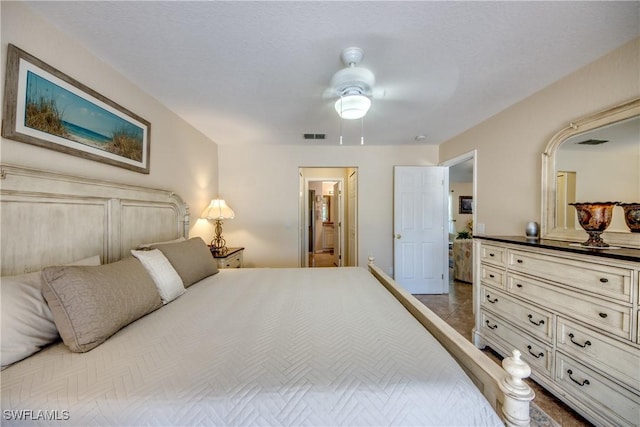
[47, 108]
[466, 205]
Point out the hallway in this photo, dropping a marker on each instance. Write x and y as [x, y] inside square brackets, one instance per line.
[321, 259]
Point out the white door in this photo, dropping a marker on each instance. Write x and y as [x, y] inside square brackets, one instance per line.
[352, 213]
[336, 215]
[420, 235]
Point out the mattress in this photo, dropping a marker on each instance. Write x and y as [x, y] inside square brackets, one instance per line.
[255, 347]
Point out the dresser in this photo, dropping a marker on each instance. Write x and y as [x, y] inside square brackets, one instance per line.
[230, 259]
[572, 313]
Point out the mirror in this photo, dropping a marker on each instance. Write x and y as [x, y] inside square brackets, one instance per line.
[326, 208]
[579, 166]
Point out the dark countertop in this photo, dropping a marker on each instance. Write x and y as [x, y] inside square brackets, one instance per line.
[626, 254]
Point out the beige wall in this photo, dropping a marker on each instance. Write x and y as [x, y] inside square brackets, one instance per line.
[510, 143]
[182, 159]
[261, 184]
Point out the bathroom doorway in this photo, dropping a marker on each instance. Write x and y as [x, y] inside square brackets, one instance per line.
[328, 229]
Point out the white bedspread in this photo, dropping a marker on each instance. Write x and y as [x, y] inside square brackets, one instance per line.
[269, 347]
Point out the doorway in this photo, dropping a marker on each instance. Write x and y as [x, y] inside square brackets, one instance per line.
[463, 205]
[328, 217]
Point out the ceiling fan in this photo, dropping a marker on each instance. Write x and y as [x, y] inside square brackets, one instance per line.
[353, 85]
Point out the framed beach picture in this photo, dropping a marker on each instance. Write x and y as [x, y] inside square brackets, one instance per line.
[44, 107]
[466, 205]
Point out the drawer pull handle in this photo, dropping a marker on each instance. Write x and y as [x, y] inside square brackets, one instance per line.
[537, 356]
[495, 300]
[604, 280]
[519, 261]
[491, 255]
[491, 276]
[586, 343]
[581, 384]
[491, 327]
[603, 315]
[518, 285]
[541, 322]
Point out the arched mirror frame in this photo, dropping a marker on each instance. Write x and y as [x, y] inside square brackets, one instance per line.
[548, 227]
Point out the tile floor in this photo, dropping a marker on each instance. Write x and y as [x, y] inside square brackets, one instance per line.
[456, 309]
[321, 259]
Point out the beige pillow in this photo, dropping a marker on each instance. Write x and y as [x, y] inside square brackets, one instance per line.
[27, 323]
[89, 304]
[192, 259]
[148, 245]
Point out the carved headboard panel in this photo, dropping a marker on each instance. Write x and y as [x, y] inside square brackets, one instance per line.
[49, 218]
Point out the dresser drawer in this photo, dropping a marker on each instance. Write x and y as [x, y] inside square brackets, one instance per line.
[492, 276]
[609, 281]
[613, 401]
[493, 255]
[610, 317]
[537, 354]
[534, 320]
[608, 355]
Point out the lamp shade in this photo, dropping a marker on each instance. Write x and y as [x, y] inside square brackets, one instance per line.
[351, 107]
[218, 209]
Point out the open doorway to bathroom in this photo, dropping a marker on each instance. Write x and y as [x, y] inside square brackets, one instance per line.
[328, 216]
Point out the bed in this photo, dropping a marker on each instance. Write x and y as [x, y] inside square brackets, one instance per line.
[334, 346]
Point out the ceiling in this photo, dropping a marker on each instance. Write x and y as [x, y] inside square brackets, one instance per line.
[255, 72]
[461, 172]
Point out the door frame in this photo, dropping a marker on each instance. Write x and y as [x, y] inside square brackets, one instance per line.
[470, 155]
[477, 228]
[304, 238]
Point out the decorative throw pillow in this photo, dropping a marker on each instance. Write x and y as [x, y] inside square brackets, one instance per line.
[167, 281]
[89, 304]
[27, 323]
[192, 259]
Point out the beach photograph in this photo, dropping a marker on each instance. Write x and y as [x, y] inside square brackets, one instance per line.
[57, 111]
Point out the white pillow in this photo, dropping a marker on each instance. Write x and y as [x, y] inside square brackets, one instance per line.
[165, 277]
[27, 323]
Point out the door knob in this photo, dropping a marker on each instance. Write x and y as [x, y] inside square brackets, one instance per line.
[398, 236]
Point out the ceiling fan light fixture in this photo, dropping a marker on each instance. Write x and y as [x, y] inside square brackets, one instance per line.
[351, 107]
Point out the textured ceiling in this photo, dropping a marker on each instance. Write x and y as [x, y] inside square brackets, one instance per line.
[255, 72]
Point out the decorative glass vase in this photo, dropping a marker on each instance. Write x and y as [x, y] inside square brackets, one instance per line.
[632, 216]
[594, 217]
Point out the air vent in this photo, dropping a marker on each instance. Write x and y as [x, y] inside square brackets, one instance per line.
[592, 142]
[314, 136]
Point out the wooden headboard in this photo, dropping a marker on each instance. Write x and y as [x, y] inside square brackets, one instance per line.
[49, 218]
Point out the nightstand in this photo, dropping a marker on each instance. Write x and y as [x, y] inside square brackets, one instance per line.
[230, 259]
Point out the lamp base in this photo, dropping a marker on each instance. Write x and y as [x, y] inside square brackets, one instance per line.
[218, 245]
[218, 251]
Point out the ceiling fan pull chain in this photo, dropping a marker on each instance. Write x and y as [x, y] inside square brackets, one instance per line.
[341, 119]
